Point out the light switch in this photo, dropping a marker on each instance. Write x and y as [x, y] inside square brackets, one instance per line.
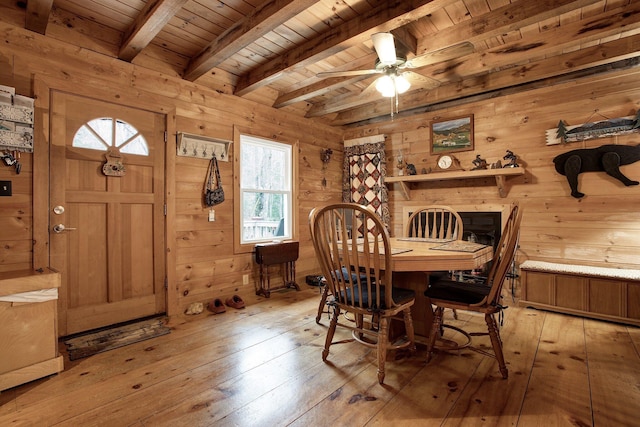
[212, 215]
[5, 188]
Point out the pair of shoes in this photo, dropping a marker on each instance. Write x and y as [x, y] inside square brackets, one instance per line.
[235, 302]
[216, 306]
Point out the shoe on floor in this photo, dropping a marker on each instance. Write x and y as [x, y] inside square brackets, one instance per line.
[216, 306]
[235, 302]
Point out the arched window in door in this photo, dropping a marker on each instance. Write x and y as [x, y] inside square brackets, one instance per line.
[106, 132]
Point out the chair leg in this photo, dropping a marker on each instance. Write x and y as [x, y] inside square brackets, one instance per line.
[332, 330]
[435, 331]
[496, 342]
[383, 342]
[408, 327]
[359, 321]
[323, 302]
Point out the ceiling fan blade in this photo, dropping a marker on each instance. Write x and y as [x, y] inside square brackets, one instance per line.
[348, 73]
[420, 81]
[451, 52]
[385, 48]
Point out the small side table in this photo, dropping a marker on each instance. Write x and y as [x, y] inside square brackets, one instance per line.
[284, 253]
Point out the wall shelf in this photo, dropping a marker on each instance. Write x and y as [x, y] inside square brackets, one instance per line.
[499, 174]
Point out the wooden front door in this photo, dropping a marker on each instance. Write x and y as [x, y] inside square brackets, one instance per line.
[106, 229]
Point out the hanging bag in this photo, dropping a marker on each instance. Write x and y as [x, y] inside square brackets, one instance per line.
[213, 192]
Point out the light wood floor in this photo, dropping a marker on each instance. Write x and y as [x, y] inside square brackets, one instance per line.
[262, 366]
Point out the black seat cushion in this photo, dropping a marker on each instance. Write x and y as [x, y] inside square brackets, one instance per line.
[462, 292]
[354, 276]
[399, 295]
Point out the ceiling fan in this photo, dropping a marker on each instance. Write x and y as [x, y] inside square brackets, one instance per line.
[394, 66]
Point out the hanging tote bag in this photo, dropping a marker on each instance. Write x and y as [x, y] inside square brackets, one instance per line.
[213, 192]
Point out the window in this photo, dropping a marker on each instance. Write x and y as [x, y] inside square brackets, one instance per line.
[266, 188]
[105, 133]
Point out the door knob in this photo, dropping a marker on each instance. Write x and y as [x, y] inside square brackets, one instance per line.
[59, 228]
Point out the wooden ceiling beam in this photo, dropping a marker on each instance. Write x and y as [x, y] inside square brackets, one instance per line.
[149, 22]
[264, 19]
[315, 89]
[37, 17]
[499, 21]
[550, 68]
[389, 16]
[550, 44]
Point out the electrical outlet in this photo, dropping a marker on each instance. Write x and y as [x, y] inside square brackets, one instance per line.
[212, 215]
[5, 188]
[245, 279]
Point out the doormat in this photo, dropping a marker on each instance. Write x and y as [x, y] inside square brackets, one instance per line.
[119, 336]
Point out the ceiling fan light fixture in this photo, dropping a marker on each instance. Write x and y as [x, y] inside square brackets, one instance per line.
[402, 84]
[390, 85]
[386, 86]
[385, 48]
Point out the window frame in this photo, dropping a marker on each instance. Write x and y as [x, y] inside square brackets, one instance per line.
[248, 247]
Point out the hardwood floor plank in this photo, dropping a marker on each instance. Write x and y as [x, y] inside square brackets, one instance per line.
[558, 391]
[614, 374]
[263, 366]
[147, 364]
[355, 402]
[210, 392]
[431, 393]
[488, 399]
[293, 387]
[188, 334]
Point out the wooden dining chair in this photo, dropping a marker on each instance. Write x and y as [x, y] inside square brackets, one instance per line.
[479, 297]
[325, 290]
[353, 249]
[436, 222]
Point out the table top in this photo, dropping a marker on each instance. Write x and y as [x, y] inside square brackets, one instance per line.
[421, 257]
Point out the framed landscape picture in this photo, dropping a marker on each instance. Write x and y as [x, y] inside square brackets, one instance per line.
[451, 135]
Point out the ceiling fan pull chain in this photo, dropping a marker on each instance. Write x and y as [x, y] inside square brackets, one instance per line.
[396, 97]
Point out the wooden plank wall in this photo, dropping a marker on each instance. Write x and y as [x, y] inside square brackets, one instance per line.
[205, 265]
[602, 229]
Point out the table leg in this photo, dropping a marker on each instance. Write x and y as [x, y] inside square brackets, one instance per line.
[421, 311]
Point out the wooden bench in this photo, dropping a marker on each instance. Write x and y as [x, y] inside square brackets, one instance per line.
[28, 326]
[601, 293]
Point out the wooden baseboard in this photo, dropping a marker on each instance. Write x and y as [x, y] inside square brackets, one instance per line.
[32, 372]
[617, 319]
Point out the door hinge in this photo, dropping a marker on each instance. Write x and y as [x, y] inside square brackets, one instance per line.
[166, 137]
[166, 283]
[165, 209]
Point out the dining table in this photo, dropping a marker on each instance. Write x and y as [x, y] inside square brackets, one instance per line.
[413, 259]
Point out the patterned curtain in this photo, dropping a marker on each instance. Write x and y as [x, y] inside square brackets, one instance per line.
[363, 175]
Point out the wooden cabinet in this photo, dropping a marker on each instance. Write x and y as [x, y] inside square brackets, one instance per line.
[614, 298]
[28, 327]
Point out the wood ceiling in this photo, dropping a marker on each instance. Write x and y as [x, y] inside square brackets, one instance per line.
[270, 51]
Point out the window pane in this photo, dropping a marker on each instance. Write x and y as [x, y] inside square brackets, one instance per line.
[97, 134]
[263, 216]
[104, 128]
[265, 167]
[265, 190]
[124, 132]
[137, 145]
[84, 138]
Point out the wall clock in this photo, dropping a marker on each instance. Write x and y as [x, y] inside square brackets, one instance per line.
[447, 162]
